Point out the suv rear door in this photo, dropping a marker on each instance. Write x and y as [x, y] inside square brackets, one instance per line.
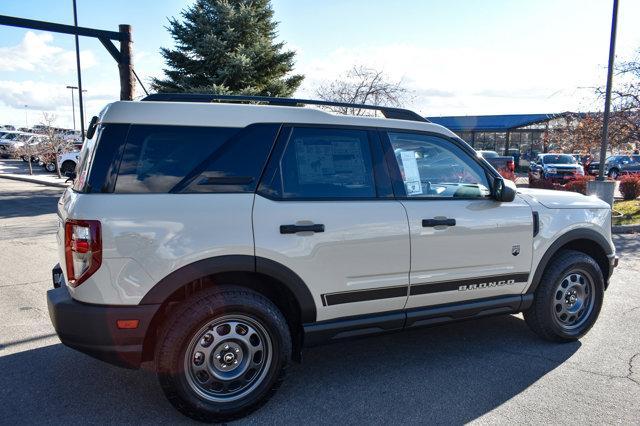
[325, 210]
[464, 244]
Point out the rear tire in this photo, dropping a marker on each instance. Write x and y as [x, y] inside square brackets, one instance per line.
[568, 299]
[222, 353]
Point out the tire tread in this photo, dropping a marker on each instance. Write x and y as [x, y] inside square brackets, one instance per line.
[171, 342]
[537, 316]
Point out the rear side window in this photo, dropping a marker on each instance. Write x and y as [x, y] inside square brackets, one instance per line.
[161, 159]
[325, 163]
[80, 183]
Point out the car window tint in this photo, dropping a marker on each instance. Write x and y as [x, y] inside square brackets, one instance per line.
[237, 164]
[84, 162]
[326, 163]
[434, 167]
[157, 158]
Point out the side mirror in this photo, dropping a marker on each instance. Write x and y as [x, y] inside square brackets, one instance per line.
[504, 190]
[93, 125]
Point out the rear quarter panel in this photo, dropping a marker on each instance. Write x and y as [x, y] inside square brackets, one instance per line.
[147, 236]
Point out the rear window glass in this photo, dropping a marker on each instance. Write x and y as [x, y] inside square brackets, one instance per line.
[161, 159]
[157, 158]
[84, 161]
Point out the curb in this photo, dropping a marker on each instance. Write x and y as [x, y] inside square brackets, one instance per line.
[625, 229]
[34, 180]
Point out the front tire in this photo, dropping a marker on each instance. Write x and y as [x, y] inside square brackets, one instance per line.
[614, 173]
[568, 299]
[222, 354]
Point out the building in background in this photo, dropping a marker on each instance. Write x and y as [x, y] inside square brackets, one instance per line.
[520, 135]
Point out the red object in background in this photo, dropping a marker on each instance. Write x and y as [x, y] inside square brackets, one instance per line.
[630, 187]
[507, 173]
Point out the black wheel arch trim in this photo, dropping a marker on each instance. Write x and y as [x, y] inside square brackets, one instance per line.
[234, 263]
[573, 235]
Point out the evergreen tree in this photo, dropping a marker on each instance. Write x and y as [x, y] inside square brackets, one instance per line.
[228, 47]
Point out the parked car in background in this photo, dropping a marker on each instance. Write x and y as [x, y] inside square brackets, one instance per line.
[578, 158]
[10, 143]
[555, 168]
[515, 153]
[503, 164]
[617, 165]
[32, 140]
[68, 162]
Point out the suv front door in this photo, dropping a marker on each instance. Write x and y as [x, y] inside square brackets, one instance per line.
[325, 210]
[464, 244]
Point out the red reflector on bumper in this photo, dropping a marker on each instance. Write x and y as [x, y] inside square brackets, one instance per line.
[127, 324]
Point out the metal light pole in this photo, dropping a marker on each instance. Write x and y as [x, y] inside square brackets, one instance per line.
[605, 189]
[75, 22]
[26, 117]
[73, 105]
[607, 98]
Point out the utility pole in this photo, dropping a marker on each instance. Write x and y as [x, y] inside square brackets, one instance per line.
[75, 23]
[607, 98]
[605, 189]
[73, 104]
[26, 117]
[125, 66]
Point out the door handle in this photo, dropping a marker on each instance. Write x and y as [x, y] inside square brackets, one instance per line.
[430, 223]
[292, 229]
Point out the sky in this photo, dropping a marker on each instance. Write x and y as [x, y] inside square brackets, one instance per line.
[457, 57]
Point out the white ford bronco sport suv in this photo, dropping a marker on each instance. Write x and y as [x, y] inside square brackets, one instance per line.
[217, 236]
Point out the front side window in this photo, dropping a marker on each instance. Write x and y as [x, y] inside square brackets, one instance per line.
[434, 167]
[325, 163]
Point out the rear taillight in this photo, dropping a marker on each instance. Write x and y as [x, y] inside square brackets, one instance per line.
[82, 249]
[511, 165]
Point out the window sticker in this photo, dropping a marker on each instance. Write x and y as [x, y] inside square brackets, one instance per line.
[411, 172]
[336, 161]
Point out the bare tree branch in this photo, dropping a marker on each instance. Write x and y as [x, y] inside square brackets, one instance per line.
[362, 85]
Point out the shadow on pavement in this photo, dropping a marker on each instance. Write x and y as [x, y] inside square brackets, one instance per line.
[29, 203]
[627, 245]
[447, 374]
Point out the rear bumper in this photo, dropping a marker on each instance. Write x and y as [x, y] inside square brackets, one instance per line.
[92, 329]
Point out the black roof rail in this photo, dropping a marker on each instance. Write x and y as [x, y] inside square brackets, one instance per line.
[388, 112]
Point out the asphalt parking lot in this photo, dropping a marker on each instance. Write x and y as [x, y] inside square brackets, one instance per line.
[489, 371]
